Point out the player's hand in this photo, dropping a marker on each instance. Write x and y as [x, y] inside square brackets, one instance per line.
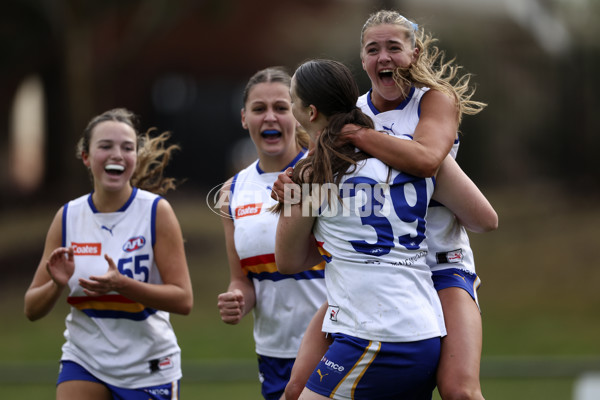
[285, 190]
[60, 265]
[99, 285]
[348, 134]
[231, 306]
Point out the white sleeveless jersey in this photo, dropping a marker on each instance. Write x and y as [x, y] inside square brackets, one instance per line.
[448, 241]
[120, 341]
[285, 304]
[378, 283]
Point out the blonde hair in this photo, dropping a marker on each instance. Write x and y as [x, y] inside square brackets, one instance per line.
[430, 69]
[153, 155]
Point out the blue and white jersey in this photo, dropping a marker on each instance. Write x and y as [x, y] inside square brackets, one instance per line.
[379, 286]
[448, 241]
[120, 341]
[285, 304]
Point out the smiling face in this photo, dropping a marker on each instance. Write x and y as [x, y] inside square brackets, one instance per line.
[386, 47]
[267, 115]
[112, 156]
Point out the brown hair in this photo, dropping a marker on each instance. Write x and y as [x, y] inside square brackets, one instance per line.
[331, 88]
[153, 155]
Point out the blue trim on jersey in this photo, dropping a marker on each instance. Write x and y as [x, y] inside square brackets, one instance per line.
[91, 203]
[400, 106]
[64, 225]
[296, 159]
[231, 192]
[123, 208]
[278, 276]
[291, 164]
[419, 107]
[153, 220]
[129, 201]
[139, 316]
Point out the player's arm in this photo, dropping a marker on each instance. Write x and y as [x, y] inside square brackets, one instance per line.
[240, 297]
[43, 292]
[174, 294]
[455, 190]
[312, 348]
[295, 246]
[432, 140]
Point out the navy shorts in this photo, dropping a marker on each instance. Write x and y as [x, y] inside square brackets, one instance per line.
[455, 277]
[274, 374]
[71, 371]
[355, 368]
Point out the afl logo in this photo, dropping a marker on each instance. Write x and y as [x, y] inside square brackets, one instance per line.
[134, 244]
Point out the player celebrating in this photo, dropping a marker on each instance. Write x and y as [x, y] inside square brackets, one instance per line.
[119, 253]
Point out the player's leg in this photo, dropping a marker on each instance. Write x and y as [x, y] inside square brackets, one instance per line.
[75, 382]
[69, 390]
[458, 370]
[308, 394]
[312, 348]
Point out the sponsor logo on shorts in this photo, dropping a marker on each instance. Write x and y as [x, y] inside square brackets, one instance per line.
[321, 376]
[163, 392]
[331, 365]
[460, 276]
[248, 210]
[86, 249]
[135, 243]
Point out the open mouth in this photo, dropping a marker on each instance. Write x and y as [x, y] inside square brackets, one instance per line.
[114, 169]
[271, 134]
[386, 75]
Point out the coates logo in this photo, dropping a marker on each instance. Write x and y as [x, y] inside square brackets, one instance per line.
[86, 249]
[133, 244]
[247, 210]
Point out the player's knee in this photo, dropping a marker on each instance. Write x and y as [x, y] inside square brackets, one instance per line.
[293, 390]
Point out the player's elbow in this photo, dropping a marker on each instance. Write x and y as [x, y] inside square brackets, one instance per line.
[185, 304]
[490, 223]
[487, 224]
[33, 314]
[427, 166]
[285, 267]
[286, 263]
[30, 315]
[186, 308]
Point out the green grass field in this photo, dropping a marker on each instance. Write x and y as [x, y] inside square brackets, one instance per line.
[539, 301]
